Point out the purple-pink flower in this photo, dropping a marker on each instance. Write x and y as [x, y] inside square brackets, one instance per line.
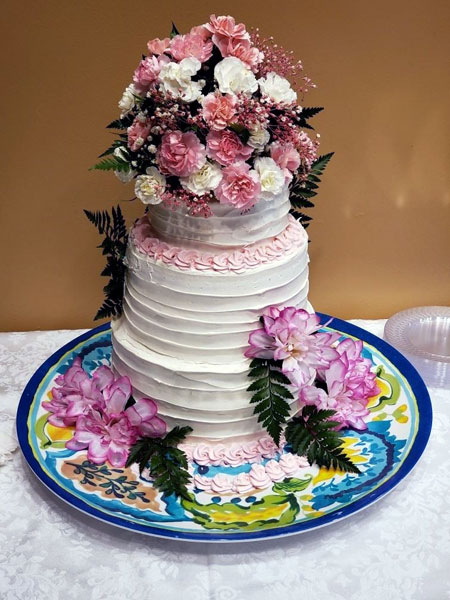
[350, 411]
[96, 406]
[108, 433]
[358, 375]
[291, 335]
[75, 393]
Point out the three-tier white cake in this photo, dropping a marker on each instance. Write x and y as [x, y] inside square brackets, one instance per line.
[195, 289]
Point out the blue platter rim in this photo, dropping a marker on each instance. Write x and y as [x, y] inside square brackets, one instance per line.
[396, 358]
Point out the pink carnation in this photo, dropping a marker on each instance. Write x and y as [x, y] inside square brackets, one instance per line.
[191, 44]
[202, 31]
[181, 154]
[239, 186]
[286, 157]
[225, 27]
[218, 110]
[138, 133]
[240, 48]
[148, 71]
[158, 46]
[226, 147]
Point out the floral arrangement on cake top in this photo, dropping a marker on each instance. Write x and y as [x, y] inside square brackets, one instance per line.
[213, 115]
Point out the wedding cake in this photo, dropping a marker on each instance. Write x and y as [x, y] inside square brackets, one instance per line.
[222, 379]
[215, 141]
[218, 359]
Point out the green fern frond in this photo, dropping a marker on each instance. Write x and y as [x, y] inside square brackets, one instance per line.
[270, 396]
[112, 163]
[113, 228]
[313, 434]
[167, 464]
[303, 188]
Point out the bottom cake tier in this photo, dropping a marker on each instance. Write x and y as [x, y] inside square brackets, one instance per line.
[210, 398]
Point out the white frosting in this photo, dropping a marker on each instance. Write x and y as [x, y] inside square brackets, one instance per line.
[227, 226]
[183, 333]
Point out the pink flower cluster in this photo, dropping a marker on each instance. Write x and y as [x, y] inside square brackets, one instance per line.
[202, 108]
[350, 383]
[96, 407]
[292, 336]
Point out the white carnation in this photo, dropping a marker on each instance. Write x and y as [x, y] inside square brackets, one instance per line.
[128, 100]
[150, 187]
[175, 78]
[125, 176]
[233, 76]
[271, 177]
[277, 88]
[258, 139]
[204, 180]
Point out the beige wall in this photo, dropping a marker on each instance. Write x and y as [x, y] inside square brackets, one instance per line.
[380, 238]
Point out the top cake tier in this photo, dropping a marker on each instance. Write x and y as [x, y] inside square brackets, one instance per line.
[228, 226]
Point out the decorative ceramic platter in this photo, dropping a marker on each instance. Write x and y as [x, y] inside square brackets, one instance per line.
[398, 429]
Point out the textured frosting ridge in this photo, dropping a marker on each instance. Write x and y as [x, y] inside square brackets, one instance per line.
[228, 226]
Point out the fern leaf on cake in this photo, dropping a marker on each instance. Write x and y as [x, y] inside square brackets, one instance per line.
[303, 187]
[270, 396]
[312, 434]
[167, 463]
[112, 163]
[122, 123]
[116, 144]
[113, 227]
[306, 114]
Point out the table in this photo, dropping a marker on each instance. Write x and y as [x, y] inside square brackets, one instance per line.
[399, 548]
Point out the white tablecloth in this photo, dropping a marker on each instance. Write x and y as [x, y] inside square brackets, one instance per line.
[399, 548]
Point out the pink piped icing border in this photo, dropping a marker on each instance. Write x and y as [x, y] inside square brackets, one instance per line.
[237, 260]
[259, 477]
[215, 455]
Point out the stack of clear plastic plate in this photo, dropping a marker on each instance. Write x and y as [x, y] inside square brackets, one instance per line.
[423, 335]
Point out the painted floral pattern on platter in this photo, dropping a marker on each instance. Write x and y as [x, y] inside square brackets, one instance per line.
[305, 494]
